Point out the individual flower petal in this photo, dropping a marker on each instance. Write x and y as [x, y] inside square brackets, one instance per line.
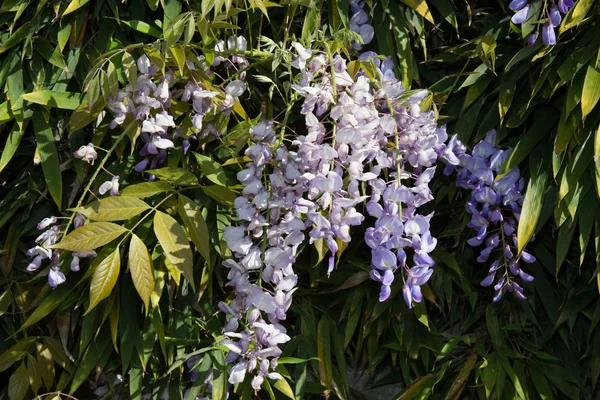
[521, 16]
[548, 34]
[55, 277]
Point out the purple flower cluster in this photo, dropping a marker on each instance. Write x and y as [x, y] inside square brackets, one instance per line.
[495, 207]
[552, 14]
[149, 100]
[359, 134]
[264, 247]
[40, 252]
[359, 23]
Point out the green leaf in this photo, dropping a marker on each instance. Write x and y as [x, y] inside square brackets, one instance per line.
[94, 353]
[576, 15]
[421, 7]
[191, 214]
[591, 88]
[543, 122]
[104, 278]
[49, 157]
[222, 194]
[18, 384]
[176, 176]
[404, 54]
[211, 169]
[324, 351]
[51, 55]
[575, 168]
[493, 326]
[17, 37]
[74, 5]
[140, 267]
[64, 100]
[574, 305]
[565, 236]
[174, 243]
[446, 9]
[143, 27]
[146, 189]
[596, 159]
[11, 146]
[284, 387]
[90, 236]
[114, 208]
[462, 378]
[534, 198]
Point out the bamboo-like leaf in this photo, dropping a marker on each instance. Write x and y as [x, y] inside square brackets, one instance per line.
[534, 197]
[35, 378]
[194, 222]
[90, 236]
[146, 189]
[74, 5]
[18, 384]
[104, 278]
[284, 387]
[64, 100]
[17, 37]
[591, 87]
[140, 267]
[174, 243]
[49, 157]
[143, 27]
[462, 378]
[117, 208]
[597, 159]
[176, 176]
[11, 146]
[324, 351]
[222, 194]
[575, 168]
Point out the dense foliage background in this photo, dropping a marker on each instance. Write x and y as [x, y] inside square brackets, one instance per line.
[60, 60]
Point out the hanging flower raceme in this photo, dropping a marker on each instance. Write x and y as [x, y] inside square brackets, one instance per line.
[552, 14]
[495, 207]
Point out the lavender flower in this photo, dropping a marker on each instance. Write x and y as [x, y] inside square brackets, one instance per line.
[55, 277]
[495, 207]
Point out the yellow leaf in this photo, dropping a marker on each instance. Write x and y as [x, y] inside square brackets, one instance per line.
[75, 5]
[104, 278]
[90, 236]
[194, 222]
[140, 267]
[175, 244]
[116, 208]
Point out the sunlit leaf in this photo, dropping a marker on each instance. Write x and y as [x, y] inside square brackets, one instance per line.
[90, 236]
[140, 267]
[194, 222]
[174, 243]
[104, 278]
[114, 208]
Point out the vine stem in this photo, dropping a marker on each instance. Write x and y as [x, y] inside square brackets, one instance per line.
[93, 178]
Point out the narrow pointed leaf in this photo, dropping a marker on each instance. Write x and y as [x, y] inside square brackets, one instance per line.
[49, 157]
[64, 100]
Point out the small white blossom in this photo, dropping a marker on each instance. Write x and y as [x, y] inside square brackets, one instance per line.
[87, 153]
